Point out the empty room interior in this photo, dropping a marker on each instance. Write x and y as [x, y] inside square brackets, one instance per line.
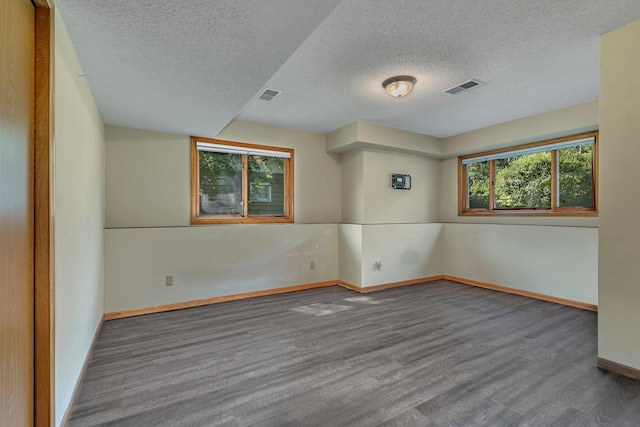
[348, 212]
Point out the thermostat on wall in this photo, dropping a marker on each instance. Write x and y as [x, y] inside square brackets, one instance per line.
[401, 181]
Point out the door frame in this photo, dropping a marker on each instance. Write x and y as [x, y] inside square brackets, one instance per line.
[44, 308]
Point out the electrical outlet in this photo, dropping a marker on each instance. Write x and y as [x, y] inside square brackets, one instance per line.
[312, 265]
[169, 281]
[379, 266]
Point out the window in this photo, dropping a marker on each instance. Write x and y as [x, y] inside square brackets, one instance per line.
[556, 177]
[233, 182]
[260, 192]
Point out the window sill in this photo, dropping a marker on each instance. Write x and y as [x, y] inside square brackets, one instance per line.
[530, 212]
[203, 220]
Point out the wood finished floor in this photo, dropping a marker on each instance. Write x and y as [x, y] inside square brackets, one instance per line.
[438, 354]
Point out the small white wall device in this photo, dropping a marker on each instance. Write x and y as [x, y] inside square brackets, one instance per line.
[401, 181]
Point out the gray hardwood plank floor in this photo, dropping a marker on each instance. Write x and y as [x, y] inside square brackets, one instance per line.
[436, 354]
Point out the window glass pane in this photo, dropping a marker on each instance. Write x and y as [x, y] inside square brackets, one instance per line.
[220, 183]
[478, 175]
[266, 185]
[575, 169]
[523, 181]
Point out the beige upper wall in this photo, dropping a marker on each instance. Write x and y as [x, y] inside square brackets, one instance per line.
[619, 285]
[340, 140]
[397, 139]
[148, 172]
[552, 124]
[371, 153]
[353, 187]
[148, 176]
[385, 205]
[317, 173]
[565, 121]
[363, 134]
[79, 204]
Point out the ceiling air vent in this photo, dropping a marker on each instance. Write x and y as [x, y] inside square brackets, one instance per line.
[269, 94]
[464, 86]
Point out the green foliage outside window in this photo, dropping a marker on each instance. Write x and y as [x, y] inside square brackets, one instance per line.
[575, 171]
[478, 185]
[214, 167]
[524, 182]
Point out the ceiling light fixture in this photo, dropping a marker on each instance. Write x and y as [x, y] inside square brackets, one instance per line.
[399, 86]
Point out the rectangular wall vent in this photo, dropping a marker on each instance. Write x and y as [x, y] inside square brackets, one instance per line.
[269, 94]
[464, 86]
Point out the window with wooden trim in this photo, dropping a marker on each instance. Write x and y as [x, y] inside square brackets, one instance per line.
[556, 177]
[235, 182]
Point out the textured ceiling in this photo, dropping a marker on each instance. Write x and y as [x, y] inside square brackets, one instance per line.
[192, 66]
[184, 66]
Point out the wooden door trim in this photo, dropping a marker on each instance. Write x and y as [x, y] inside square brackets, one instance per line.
[44, 344]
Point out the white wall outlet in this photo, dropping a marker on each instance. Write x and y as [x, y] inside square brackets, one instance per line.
[379, 266]
[169, 281]
[312, 265]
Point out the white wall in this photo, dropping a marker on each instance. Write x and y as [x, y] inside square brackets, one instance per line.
[407, 252]
[398, 227]
[79, 218]
[213, 261]
[508, 251]
[556, 261]
[350, 253]
[353, 187]
[619, 311]
[148, 190]
[147, 185]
